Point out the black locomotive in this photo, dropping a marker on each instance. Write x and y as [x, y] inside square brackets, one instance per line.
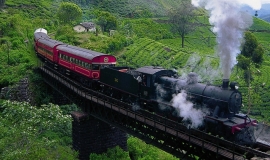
[153, 88]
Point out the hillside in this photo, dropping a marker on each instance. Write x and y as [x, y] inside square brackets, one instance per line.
[199, 56]
[266, 17]
[142, 38]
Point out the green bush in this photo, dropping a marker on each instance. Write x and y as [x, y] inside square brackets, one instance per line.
[31, 133]
[116, 153]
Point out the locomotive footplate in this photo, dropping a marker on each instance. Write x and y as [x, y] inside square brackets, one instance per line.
[237, 128]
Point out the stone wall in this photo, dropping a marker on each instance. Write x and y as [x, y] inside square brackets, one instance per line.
[20, 92]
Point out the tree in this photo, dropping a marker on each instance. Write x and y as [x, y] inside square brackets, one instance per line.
[182, 19]
[69, 13]
[106, 20]
[251, 57]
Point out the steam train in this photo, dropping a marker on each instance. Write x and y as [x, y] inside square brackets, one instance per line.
[150, 88]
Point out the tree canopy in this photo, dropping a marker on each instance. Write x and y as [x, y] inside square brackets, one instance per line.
[106, 20]
[69, 13]
[251, 54]
[252, 49]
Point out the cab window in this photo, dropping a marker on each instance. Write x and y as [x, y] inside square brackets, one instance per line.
[95, 67]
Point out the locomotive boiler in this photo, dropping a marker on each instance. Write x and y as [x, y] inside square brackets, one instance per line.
[224, 101]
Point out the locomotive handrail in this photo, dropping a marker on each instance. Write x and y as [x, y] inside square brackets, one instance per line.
[175, 129]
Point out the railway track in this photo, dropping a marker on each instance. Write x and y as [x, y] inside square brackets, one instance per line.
[198, 139]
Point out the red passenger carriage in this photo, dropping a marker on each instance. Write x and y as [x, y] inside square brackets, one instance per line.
[80, 63]
[83, 61]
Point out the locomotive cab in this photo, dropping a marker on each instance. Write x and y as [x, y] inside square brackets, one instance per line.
[150, 76]
[146, 86]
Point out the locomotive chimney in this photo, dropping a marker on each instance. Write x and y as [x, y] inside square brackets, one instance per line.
[225, 84]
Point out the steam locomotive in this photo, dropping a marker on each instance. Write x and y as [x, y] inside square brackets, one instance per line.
[150, 88]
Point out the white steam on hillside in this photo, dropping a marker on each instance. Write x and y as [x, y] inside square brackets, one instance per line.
[229, 23]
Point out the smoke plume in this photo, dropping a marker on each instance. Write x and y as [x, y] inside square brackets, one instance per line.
[187, 110]
[229, 23]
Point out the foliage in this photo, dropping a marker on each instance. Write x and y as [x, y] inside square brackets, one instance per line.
[69, 13]
[104, 44]
[182, 19]
[257, 56]
[243, 62]
[149, 52]
[131, 8]
[67, 109]
[66, 34]
[116, 153]
[42, 93]
[139, 150]
[31, 133]
[17, 24]
[106, 20]
[145, 28]
[252, 53]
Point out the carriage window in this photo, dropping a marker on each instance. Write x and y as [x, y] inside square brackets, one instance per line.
[95, 67]
[72, 60]
[88, 66]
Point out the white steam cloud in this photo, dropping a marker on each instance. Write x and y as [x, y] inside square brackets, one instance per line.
[255, 4]
[229, 23]
[186, 110]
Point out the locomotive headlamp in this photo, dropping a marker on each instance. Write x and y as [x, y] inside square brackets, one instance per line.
[234, 85]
